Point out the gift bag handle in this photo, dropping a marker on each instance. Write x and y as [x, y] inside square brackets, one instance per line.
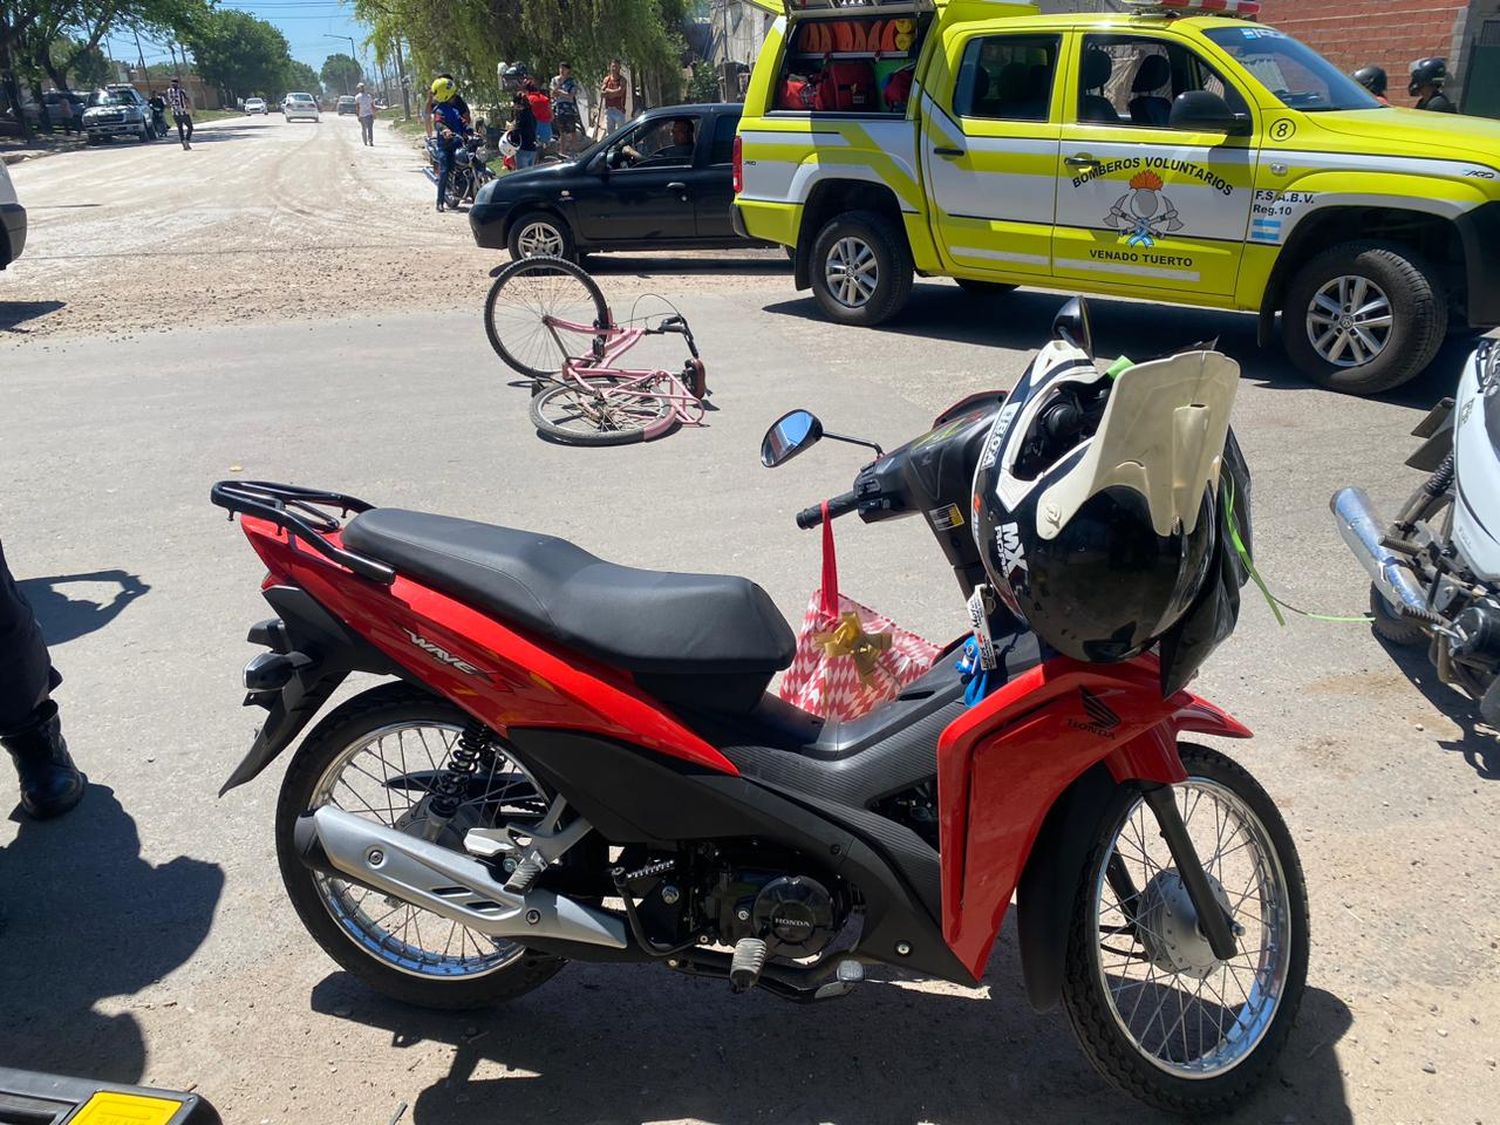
[830, 588]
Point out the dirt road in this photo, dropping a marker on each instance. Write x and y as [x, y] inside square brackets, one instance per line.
[147, 935]
[264, 218]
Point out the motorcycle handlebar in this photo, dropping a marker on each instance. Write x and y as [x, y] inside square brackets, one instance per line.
[839, 505]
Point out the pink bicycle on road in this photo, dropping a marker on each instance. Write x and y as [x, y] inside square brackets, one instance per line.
[547, 319]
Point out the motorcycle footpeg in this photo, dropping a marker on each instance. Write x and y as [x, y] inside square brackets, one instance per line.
[749, 960]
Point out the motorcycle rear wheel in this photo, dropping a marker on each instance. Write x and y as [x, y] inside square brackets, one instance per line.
[1156, 1014]
[344, 760]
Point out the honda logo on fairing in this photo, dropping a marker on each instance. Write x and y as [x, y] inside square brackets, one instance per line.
[439, 653]
[1100, 719]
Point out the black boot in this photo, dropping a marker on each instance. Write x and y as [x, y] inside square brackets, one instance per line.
[50, 783]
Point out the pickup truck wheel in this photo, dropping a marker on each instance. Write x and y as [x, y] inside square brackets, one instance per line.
[985, 288]
[539, 234]
[861, 269]
[1363, 317]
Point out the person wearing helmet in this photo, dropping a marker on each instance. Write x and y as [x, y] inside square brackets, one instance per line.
[1427, 78]
[1373, 79]
[446, 126]
[1102, 507]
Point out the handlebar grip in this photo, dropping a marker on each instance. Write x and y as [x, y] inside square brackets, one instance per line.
[839, 505]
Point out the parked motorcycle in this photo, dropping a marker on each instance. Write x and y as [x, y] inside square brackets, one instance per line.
[1436, 567]
[579, 760]
[158, 122]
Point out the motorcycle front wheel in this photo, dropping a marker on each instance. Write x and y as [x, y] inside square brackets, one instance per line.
[375, 756]
[1156, 1013]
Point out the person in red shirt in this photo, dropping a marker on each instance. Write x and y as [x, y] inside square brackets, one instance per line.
[541, 109]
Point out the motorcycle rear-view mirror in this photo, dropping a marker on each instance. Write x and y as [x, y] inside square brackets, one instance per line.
[788, 436]
[1071, 325]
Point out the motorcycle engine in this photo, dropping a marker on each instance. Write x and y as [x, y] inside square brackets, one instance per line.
[796, 915]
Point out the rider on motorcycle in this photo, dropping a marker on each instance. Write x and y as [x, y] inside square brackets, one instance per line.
[1373, 78]
[448, 126]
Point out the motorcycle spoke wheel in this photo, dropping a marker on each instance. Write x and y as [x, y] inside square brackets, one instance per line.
[385, 777]
[600, 411]
[528, 304]
[1156, 1012]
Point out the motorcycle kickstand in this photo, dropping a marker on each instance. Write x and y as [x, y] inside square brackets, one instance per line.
[1213, 920]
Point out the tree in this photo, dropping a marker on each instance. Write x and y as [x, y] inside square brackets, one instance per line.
[237, 52]
[298, 77]
[340, 74]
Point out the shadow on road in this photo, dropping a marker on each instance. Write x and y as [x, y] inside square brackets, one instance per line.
[762, 263]
[1478, 744]
[14, 314]
[63, 618]
[629, 1043]
[1135, 328]
[84, 918]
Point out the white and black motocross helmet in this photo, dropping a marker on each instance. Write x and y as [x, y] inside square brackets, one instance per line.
[1099, 503]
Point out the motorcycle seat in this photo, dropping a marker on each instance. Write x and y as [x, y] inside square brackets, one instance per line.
[645, 621]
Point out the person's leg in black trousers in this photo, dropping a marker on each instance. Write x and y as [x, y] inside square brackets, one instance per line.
[29, 727]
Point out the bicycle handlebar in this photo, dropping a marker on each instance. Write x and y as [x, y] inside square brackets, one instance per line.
[840, 505]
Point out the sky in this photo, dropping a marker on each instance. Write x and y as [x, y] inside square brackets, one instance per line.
[307, 25]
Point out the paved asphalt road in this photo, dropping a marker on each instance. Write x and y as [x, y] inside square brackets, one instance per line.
[147, 937]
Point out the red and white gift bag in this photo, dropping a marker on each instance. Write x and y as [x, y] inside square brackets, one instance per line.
[850, 659]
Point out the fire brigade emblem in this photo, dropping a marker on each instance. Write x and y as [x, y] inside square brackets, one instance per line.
[1143, 213]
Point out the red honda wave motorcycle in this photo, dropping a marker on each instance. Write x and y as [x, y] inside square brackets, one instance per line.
[579, 760]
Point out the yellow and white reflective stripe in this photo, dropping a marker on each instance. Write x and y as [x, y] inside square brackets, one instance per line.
[982, 254]
[1129, 268]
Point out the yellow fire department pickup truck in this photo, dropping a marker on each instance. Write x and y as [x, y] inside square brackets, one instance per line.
[1162, 153]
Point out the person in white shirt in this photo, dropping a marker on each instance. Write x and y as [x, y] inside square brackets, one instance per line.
[364, 107]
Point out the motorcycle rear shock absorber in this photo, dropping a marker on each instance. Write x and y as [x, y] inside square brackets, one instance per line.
[452, 785]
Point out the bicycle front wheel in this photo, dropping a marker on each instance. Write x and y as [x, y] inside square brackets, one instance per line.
[530, 308]
[600, 411]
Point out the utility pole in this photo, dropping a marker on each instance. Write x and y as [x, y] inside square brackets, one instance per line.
[353, 54]
[141, 58]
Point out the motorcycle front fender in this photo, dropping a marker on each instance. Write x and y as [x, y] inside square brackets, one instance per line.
[1023, 780]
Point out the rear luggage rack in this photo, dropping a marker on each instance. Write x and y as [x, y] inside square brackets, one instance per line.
[298, 511]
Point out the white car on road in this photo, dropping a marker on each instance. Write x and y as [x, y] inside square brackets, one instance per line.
[304, 106]
[12, 221]
[255, 105]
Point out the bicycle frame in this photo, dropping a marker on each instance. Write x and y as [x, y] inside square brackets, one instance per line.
[601, 373]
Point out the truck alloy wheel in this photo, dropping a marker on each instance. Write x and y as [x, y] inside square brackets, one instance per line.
[852, 272]
[1349, 321]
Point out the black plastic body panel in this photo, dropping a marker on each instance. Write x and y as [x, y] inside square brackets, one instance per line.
[1479, 230]
[50, 1099]
[631, 795]
[1048, 888]
[332, 652]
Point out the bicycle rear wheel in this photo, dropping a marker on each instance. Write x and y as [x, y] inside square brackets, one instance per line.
[600, 411]
[525, 304]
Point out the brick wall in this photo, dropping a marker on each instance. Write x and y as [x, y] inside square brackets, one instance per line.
[1387, 33]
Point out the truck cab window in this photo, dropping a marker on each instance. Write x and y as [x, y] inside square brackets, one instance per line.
[1007, 78]
[1132, 80]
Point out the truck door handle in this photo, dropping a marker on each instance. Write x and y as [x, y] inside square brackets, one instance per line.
[1082, 160]
[947, 152]
[677, 187]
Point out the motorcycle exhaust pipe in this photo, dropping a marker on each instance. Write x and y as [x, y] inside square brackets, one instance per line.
[1362, 531]
[463, 890]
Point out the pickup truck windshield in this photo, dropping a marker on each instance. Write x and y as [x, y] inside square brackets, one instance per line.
[1293, 72]
[112, 97]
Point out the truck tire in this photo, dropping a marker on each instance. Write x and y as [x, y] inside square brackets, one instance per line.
[1339, 346]
[861, 268]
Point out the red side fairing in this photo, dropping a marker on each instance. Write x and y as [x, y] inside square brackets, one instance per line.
[499, 675]
[1003, 764]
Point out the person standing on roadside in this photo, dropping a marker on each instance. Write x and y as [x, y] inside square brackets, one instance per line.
[525, 130]
[1427, 78]
[29, 727]
[565, 116]
[158, 106]
[181, 104]
[612, 94]
[364, 109]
